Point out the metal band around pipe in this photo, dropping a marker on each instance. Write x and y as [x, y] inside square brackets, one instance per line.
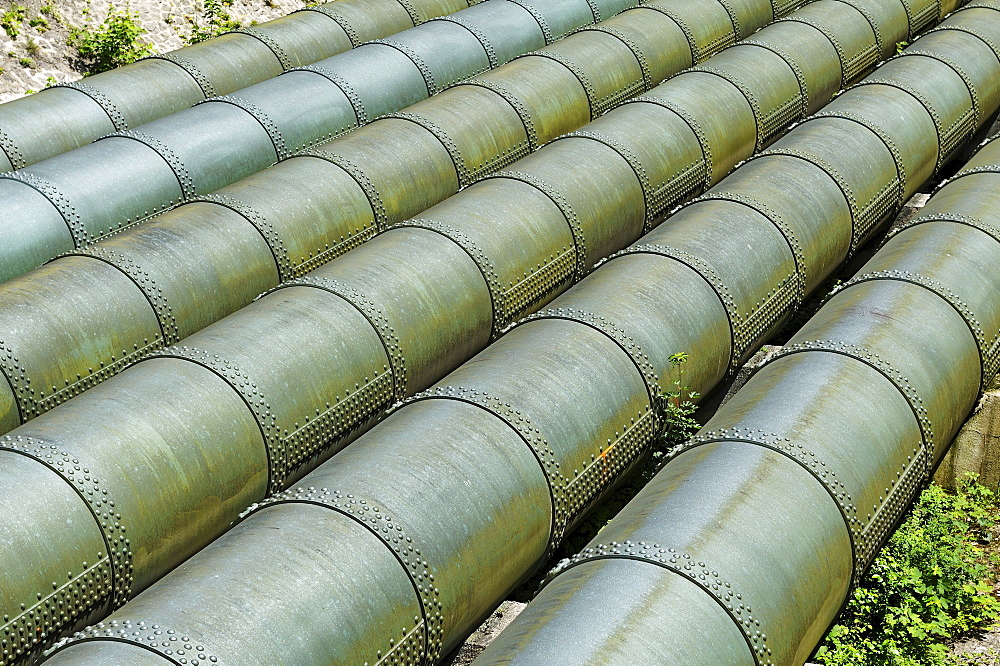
[957, 132]
[114, 113]
[275, 47]
[103, 507]
[705, 272]
[707, 162]
[698, 572]
[285, 452]
[850, 67]
[616, 334]
[588, 87]
[576, 230]
[344, 24]
[522, 111]
[794, 244]
[13, 153]
[464, 177]
[352, 96]
[864, 11]
[769, 126]
[535, 14]
[790, 61]
[882, 366]
[81, 236]
[697, 55]
[491, 53]
[863, 217]
[359, 176]
[376, 318]
[938, 125]
[373, 516]
[885, 138]
[425, 71]
[408, 7]
[737, 29]
[647, 77]
[270, 127]
[180, 170]
[522, 425]
[147, 285]
[177, 648]
[259, 222]
[946, 294]
[923, 18]
[203, 81]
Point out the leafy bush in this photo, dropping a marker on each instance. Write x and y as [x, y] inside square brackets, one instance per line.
[217, 22]
[12, 18]
[928, 586]
[113, 43]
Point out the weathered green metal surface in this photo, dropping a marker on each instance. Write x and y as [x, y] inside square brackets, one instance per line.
[523, 438]
[862, 401]
[384, 353]
[65, 117]
[131, 175]
[199, 262]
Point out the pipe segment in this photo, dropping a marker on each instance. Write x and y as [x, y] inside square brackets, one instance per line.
[760, 524]
[503, 425]
[71, 115]
[74, 199]
[449, 261]
[374, 342]
[61, 325]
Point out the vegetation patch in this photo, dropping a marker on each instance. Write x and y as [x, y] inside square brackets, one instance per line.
[930, 585]
[113, 43]
[216, 21]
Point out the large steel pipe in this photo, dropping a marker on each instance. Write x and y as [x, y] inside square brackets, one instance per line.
[517, 443]
[79, 197]
[304, 369]
[744, 547]
[71, 115]
[62, 325]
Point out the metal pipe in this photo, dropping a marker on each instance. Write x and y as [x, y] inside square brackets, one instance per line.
[317, 361]
[520, 441]
[62, 325]
[755, 530]
[67, 116]
[74, 199]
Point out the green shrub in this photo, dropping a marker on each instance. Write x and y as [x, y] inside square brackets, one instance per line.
[217, 22]
[928, 586]
[11, 20]
[113, 43]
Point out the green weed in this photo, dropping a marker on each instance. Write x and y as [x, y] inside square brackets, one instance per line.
[927, 587]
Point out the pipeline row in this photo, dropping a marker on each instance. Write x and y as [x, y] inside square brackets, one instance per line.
[87, 315]
[170, 450]
[74, 199]
[67, 116]
[515, 444]
[755, 531]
